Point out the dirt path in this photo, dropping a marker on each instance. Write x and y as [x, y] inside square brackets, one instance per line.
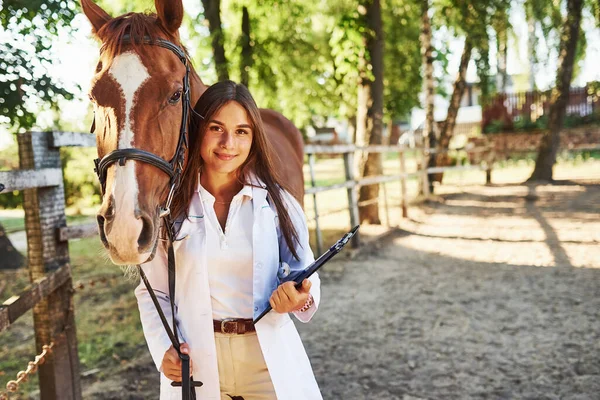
[491, 293]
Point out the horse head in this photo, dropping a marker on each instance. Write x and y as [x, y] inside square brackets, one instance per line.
[140, 96]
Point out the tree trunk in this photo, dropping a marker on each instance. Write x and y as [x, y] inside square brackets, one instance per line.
[447, 128]
[373, 90]
[502, 49]
[11, 258]
[212, 12]
[429, 137]
[531, 44]
[246, 48]
[560, 95]
[360, 133]
[352, 129]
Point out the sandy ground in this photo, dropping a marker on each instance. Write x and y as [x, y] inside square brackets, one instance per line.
[485, 293]
[488, 293]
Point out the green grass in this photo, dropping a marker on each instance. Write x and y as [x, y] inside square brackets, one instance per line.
[14, 220]
[108, 326]
[12, 224]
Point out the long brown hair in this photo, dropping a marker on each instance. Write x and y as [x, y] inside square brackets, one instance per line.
[259, 161]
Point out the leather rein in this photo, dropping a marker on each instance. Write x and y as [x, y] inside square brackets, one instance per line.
[174, 169]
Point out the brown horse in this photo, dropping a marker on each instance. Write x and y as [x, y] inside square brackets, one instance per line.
[137, 96]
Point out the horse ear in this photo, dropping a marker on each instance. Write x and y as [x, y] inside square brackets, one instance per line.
[97, 16]
[170, 14]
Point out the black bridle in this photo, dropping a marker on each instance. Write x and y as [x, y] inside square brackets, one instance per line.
[174, 169]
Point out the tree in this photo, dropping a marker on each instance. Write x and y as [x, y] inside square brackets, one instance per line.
[212, 14]
[429, 136]
[501, 25]
[283, 56]
[447, 127]
[472, 20]
[402, 57]
[370, 128]
[25, 82]
[560, 94]
[245, 48]
[355, 73]
[26, 85]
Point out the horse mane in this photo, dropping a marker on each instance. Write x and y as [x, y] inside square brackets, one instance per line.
[137, 26]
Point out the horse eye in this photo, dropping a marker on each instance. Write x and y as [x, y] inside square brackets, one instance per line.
[176, 97]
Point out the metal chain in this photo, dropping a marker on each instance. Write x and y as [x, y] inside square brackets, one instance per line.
[32, 366]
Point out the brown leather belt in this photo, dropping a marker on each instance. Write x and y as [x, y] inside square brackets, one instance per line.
[234, 326]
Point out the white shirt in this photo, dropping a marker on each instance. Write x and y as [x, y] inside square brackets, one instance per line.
[279, 340]
[230, 259]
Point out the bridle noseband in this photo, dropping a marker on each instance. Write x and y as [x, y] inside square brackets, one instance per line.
[173, 168]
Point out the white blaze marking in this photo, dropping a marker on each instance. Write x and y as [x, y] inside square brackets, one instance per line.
[130, 73]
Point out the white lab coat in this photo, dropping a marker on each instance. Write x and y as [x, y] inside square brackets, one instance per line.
[284, 354]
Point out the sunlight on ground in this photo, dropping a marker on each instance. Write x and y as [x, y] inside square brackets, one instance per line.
[539, 231]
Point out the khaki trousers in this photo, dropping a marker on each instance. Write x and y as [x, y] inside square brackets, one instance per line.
[243, 373]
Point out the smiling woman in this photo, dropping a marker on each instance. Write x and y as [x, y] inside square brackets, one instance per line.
[242, 240]
[226, 143]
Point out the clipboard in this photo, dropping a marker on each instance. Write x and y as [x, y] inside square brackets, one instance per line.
[318, 263]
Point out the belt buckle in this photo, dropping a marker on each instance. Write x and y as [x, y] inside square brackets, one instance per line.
[229, 322]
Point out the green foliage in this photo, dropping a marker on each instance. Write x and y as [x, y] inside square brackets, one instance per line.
[527, 125]
[306, 56]
[551, 17]
[546, 13]
[347, 44]
[9, 159]
[402, 58]
[81, 184]
[494, 126]
[11, 200]
[29, 27]
[291, 60]
[477, 20]
[574, 120]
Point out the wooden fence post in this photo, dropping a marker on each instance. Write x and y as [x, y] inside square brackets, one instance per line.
[425, 154]
[313, 182]
[53, 317]
[352, 196]
[385, 205]
[403, 184]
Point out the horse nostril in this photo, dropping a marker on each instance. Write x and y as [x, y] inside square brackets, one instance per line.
[146, 234]
[109, 214]
[107, 211]
[101, 224]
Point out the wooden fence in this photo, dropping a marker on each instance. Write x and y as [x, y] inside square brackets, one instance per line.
[352, 184]
[509, 109]
[51, 292]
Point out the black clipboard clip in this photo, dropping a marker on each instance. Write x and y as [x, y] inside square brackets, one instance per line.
[318, 263]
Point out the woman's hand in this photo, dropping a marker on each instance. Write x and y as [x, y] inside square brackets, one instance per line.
[286, 298]
[171, 363]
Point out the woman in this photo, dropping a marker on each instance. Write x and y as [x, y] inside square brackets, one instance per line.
[241, 235]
